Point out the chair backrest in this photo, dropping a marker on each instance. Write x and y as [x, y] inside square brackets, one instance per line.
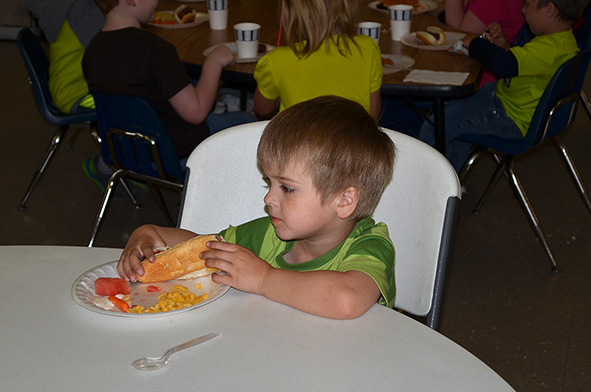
[555, 111]
[144, 142]
[225, 187]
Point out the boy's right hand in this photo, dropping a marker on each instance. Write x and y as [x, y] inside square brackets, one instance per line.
[497, 37]
[223, 55]
[139, 246]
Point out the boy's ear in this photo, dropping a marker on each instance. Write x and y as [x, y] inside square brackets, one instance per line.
[551, 10]
[348, 202]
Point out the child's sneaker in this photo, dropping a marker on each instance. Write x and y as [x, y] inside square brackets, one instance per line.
[101, 179]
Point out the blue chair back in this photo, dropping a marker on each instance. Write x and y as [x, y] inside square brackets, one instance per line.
[38, 68]
[150, 154]
[554, 112]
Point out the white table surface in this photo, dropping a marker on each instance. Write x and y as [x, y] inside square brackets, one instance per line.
[48, 342]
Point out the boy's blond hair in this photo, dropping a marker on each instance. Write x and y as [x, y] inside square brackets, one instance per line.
[107, 5]
[309, 22]
[337, 143]
[568, 10]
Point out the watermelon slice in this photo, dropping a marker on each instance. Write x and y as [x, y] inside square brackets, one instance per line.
[111, 286]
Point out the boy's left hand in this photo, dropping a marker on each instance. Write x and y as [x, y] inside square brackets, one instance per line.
[244, 270]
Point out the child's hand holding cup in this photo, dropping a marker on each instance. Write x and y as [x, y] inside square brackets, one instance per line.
[400, 17]
[247, 40]
[218, 14]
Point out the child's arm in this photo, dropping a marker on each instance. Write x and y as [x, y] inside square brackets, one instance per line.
[141, 244]
[193, 104]
[339, 295]
[375, 103]
[455, 17]
[262, 105]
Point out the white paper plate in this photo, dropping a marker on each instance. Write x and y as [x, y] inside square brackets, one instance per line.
[232, 46]
[450, 39]
[200, 17]
[83, 292]
[400, 62]
[431, 4]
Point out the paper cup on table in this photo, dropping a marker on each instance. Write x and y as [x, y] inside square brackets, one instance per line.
[400, 16]
[247, 39]
[371, 29]
[218, 14]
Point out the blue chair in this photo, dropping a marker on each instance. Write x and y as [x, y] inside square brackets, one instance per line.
[38, 69]
[135, 141]
[554, 113]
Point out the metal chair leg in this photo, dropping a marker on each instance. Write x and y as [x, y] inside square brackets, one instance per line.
[157, 195]
[516, 184]
[573, 169]
[106, 198]
[57, 137]
[467, 168]
[585, 101]
[493, 181]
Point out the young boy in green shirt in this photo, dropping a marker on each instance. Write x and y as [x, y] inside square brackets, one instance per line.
[505, 108]
[326, 162]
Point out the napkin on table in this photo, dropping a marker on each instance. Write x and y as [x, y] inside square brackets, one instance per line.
[436, 77]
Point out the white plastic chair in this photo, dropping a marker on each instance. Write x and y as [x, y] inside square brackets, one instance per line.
[225, 187]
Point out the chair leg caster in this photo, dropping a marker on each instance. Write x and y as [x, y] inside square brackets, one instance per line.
[556, 269]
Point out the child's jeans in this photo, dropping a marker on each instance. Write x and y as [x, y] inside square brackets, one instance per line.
[482, 114]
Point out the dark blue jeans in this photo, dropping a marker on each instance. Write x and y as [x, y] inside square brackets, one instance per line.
[482, 114]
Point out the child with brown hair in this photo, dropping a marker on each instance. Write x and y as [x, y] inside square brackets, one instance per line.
[505, 108]
[326, 162]
[324, 56]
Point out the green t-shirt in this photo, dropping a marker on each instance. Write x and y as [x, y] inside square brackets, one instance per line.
[367, 249]
[66, 80]
[538, 61]
[281, 74]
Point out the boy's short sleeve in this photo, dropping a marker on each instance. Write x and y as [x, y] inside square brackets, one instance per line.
[168, 71]
[263, 74]
[377, 71]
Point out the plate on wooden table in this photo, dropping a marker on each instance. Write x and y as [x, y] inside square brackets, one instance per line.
[450, 39]
[263, 50]
[399, 63]
[424, 6]
[200, 17]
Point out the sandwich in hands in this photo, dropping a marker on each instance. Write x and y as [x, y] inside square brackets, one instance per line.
[434, 36]
[179, 262]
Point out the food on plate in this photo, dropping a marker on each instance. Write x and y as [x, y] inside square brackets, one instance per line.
[121, 304]
[387, 61]
[111, 286]
[184, 14]
[179, 298]
[179, 262]
[165, 18]
[153, 289]
[434, 36]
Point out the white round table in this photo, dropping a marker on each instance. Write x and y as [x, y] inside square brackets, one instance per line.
[50, 343]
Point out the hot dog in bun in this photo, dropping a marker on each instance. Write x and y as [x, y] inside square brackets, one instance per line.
[179, 262]
[434, 36]
[184, 14]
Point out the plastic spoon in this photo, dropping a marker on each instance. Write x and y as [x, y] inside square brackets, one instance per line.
[156, 363]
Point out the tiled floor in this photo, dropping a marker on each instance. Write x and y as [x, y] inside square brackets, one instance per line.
[502, 302]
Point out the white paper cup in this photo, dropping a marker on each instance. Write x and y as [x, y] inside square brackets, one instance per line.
[371, 29]
[400, 17]
[218, 14]
[247, 39]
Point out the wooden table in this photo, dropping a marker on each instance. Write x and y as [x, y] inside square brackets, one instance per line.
[50, 343]
[190, 44]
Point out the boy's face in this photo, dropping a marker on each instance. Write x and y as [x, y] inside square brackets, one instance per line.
[295, 208]
[534, 16]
